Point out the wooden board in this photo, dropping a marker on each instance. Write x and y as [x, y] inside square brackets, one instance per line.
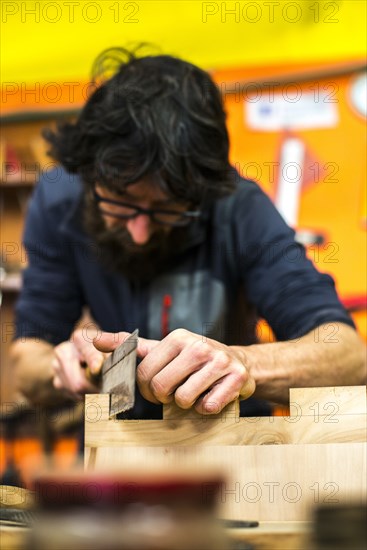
[268, 536]
[276, 468]
[290, 535]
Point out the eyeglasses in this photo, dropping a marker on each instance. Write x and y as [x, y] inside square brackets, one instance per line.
[129, 211]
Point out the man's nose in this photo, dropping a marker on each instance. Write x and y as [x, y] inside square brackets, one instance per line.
[140, 229]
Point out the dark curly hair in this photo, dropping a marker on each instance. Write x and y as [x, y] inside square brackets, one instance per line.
[154, 115]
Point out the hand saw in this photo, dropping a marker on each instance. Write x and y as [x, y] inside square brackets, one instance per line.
[118, 375]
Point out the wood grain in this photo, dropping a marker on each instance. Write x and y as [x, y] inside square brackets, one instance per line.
[276, 468]
[190, 428]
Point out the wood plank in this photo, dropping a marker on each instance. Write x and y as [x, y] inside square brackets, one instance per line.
[328, 401]
[274, 535]
[292, 535]
[266, 483]
[276, 468]
[225, 429]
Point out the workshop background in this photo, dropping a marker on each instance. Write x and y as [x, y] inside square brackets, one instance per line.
[293, 77]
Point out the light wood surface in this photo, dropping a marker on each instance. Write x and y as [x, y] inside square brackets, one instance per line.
[276, 468]
[13, 537]
[16, 497]
[292, 535]
[272, 535]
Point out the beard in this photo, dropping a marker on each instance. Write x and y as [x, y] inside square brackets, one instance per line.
[118, 252]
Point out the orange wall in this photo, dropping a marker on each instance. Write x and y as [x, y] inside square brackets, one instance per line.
[333, 201]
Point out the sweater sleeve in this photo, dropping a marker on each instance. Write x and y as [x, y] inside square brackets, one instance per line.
[51, 300]
[286, 288]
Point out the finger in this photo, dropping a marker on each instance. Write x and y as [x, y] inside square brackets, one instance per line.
[158, 358]
[109, 341]
[187, 376]
[88, 353]
[56, 381]
[66, 361]
[220, 380]
[68, 370]
[248, 388]
[223, 393]
[196, 385]
[214, 365]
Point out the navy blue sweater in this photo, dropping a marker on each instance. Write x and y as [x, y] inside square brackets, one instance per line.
[240, 262]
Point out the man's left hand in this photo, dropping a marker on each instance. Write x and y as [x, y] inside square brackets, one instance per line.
[190, 369]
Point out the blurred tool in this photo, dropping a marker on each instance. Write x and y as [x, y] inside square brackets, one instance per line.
[145, 511]
[118, 375]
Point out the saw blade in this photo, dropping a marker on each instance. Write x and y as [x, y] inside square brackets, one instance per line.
[119, 374]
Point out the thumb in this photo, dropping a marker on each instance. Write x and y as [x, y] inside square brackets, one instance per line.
[109, 341]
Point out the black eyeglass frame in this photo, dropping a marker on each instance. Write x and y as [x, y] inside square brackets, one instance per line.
[187, 215]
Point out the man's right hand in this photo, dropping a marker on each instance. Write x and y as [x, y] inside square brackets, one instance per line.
[77, 364]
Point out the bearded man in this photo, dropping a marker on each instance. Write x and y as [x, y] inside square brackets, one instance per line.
[148, 225]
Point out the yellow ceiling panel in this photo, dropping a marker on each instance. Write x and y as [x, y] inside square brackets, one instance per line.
[57, 40]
